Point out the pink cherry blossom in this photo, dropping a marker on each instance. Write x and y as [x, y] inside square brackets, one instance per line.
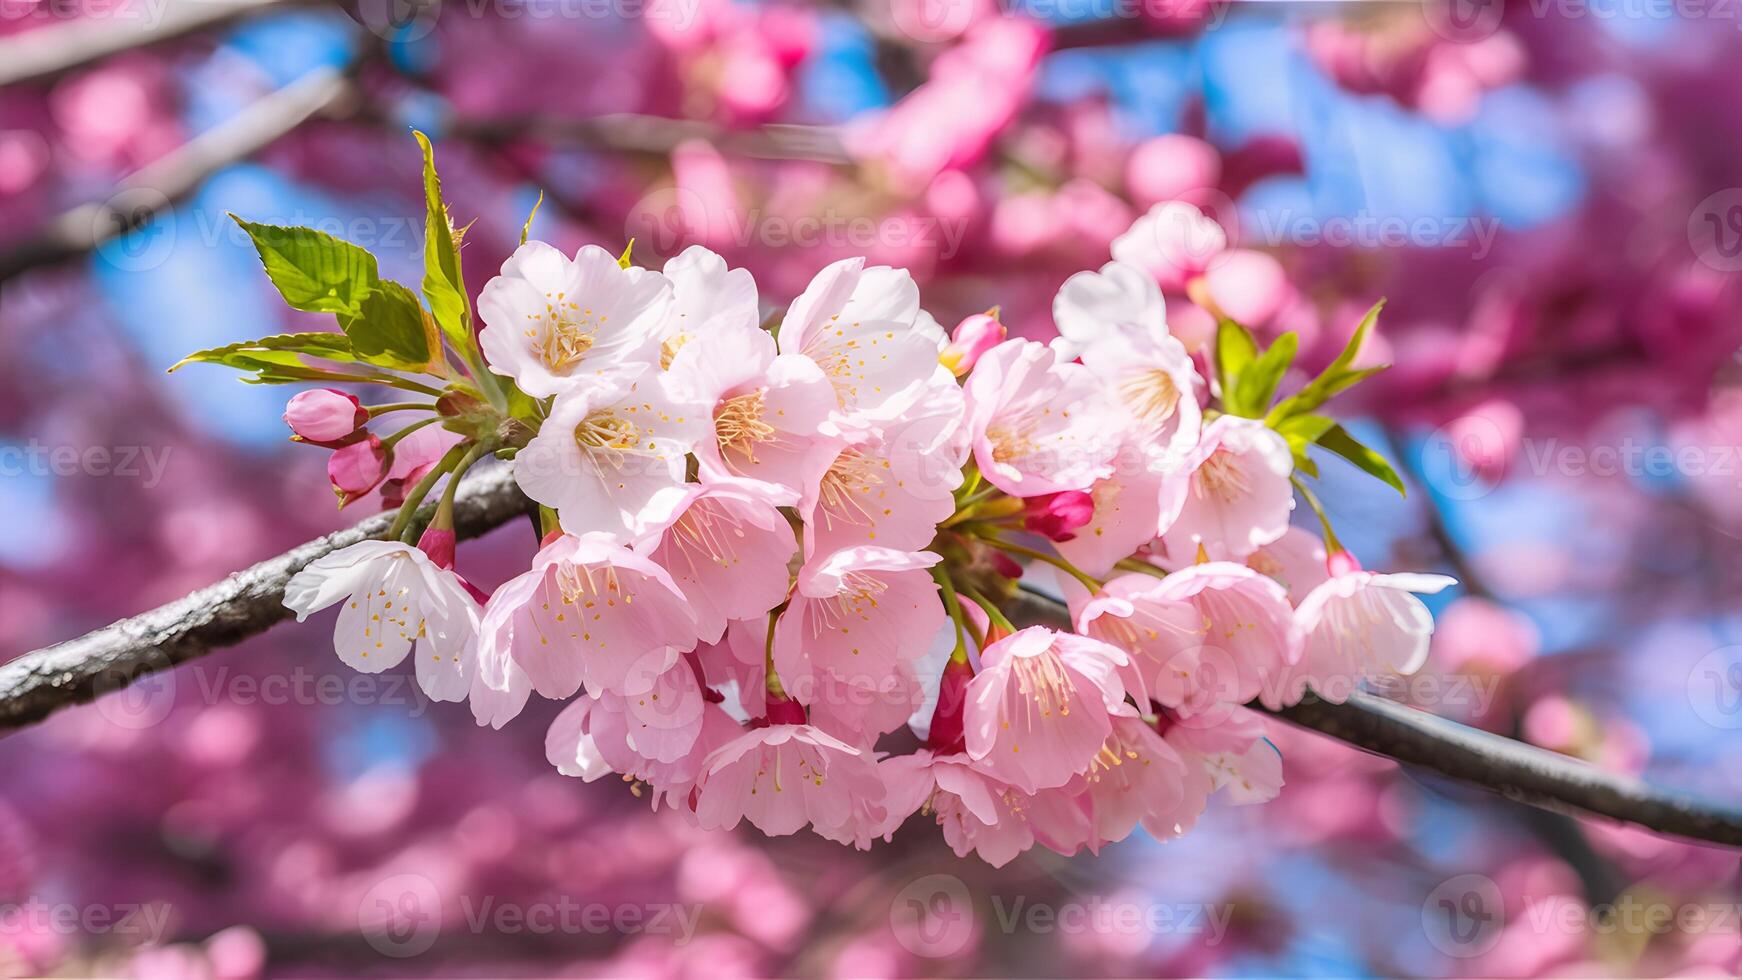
[551, 321]
[972, 337]
[394, 598]
[1038, 425]
[726, 548]
[1239, 496]
[856, 615]
[1174, 242]
[707, 297]
[767, 409]
[588, 612]
[1038, 710]
[1203, 637]
[609, 451]
[1360, 624]
[1093, 307]
[858, 325]
[786, 776]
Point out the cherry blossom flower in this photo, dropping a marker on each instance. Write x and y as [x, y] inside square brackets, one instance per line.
[552, 321]
[1205, 636]
[707, 298]
[1174, 242]
[1359, 624]
[1094, 307]
[608, 451]
[857, 614]
[394, 598]
[726, 547]
[977, 814]
[1038, 710]
[858, 325]
[786, 776]
[1038, 425]
[1239, 497]
[767, 409]
[588, 611]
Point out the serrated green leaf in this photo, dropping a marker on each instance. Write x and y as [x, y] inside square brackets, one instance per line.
[1235, 349]
[392, 330]
[1257, 383]
[1339, 441]
[443, 284]
[284, 348]
[313, 271]
[1337, 377]
[526, 229]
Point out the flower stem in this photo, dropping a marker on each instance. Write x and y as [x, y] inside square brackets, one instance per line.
[1332, 545]
[953, 604]
[1133, 565]
[1089, 582]
[393, 440]
[444, 515]
[415, 498]
[993, 614]
[375, 410]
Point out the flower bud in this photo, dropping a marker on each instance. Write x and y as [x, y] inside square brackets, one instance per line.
[324, 415]
[1058, 515]
[972, 337]
[357, 468]
[946, 735]
[438, 544]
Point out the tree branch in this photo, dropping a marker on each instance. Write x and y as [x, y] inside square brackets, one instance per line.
[249, 602]
[41, 54]
[155, 187]
[40, 683]
[627, 132]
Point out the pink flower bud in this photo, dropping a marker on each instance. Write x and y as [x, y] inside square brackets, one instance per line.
[974, 336]
[357, 468]
[946, 735]
[1340, 563]
[438, 544]
[323, 415]
[785, 711]
[1058, 515]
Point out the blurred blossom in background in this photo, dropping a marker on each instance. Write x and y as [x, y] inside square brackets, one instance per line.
[1549, 193]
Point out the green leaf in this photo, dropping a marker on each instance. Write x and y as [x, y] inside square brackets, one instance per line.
[443, 284]
[623, 260]
[526, 229]
[1257, 383]
[1339, 441]
[1235, 349]
[284, 348]
[392, 330]
[314, 271]
[1337, 377]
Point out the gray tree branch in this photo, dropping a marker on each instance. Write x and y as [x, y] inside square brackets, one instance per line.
[39, 683]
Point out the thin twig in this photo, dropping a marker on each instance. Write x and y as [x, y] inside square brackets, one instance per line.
[46, 52]
[627, 132]
[156, 187]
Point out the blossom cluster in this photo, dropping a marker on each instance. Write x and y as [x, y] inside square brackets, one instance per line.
[778, 550]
